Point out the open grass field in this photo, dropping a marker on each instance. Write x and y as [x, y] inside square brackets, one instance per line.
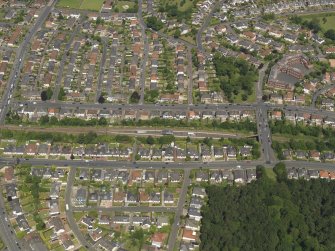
[270, 173]
[327, 20]
[181, 7]
[94, 5]
[91, 5]
[73, 4]
[123, 6]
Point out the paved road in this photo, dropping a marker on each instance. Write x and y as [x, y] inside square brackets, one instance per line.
[7, 233]
[62, 64]
[69, 213]
[264, 134]
[181, 202]
[259, 86]
[321, 91]
[101, 68]
[190, 77]
[160, 165]
[18, 62]
[205, 24]
[144, 59]
[126, 209]
[5, 229]
[147, 107]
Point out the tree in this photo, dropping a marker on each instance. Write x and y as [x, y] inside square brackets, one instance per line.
[280, 171]
[135, 97]
[330, 34]
[49, 93]
[44, 95]
[137, 157]
[166, 139]
[177, 33]
[61, 94]
[150, 140]
[154, 23]
[72, 156]
[208, 141]
[101, 99]
[188, 139]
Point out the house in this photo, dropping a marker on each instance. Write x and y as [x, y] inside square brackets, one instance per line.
[245, 151]
[231, 152]
[216, 177]
[168, 198]
[104, 219]
[192, 225]
[53, 207]
[292, 174]
[196, 202]
[15, 207]
[9, 174]
[301, 154]
[189, 235]
[251, 175]
[202, 176]
[240, 176]
[276, 115]
[162, 221]
[131, 198]
[95, 234]
[155, 198]
[157, 239]
[23, 223]
[31, 149]
[313, 174]
[143, 221]
[194, 213]
[106, 199]
[199, 192]
[314, 155]
[54, 190]
[222, 115]
[162, 176]
[323, 174]
[57, 224]
[81, 196]
[175, 177]
[87, 221]
[11, 191]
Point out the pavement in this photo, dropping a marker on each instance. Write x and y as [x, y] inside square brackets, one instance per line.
[69, 212]
[135, 209]
[145, 53]
[19, 59]
[162, 165]
[190, 77]
[181, 202]
[7, 233]
[321, 91]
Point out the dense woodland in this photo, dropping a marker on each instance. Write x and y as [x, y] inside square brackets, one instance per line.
[270, 215]
[236, 76]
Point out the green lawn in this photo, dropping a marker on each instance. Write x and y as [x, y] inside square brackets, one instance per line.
[270, 173]
[94, 5]
[188, 4]
[329, 18]
[91, 5]
[123, 6]
[74, 4]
